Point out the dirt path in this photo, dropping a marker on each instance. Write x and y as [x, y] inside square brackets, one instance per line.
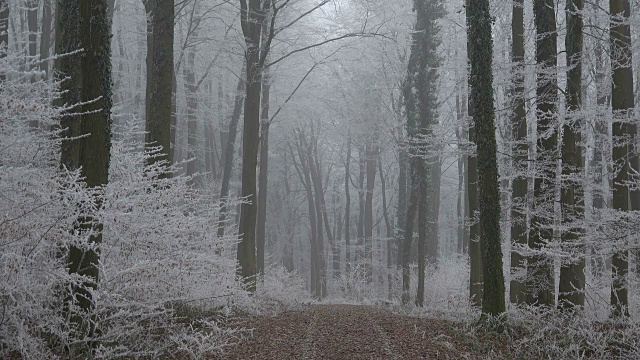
[351, 332]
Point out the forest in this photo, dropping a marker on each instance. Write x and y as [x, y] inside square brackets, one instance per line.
[336, 179]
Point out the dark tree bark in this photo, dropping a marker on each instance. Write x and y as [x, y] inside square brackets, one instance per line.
[433, 211]
[572, 277]
[601, 135]
[4, 33]
[422, 231]
[401, 211]
[85, 25]
[460, 208]
[191, 91]
[264, 163]
[253, 14]
[160, 77]
[421, 98]
[481, 51]
[624, 135]
[32, 28]
[475, 252]
[45, 37]
[541, 287]
[517, 294]
[229, 147]
[68, 41]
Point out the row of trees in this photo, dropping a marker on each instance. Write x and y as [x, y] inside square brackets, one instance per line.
[362, 131]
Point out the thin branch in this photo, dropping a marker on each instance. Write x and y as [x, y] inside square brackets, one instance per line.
[345, 36]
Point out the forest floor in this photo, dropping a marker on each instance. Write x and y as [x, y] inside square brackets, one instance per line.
[360, 332]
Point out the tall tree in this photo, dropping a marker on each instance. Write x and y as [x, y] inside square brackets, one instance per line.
[481, 42]
[601, 147]
[572, 277]
[540, 267]
[517, 293]
[318, 285]
[371, 153]
[460, 204]
[4, 33]
[160, 76]
[191, 90]
[421, 99]
[265, 123]
[347, 207]
[45, 36]
[316, 183]
[358, 256]
[475, 231]
[228, 144]
[387, 226]
[85, 25]
[32, 27]
[625, 157]
[403, 165]
[253, 14]
[264, 163]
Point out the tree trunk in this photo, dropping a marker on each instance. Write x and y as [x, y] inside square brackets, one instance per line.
[68, 41]
[433, 210]
[493, 302]
[517, 294]
[475, 234]
[540, 267]
[412, 209]
[347, 207]
[370, 165]
[403, 162]
[387, 226]
[423, 214]
[338, 223]
[323, 206]
[264, 163]
[160, 77]
[229, 147]
[622, 100]
[253, 15]
[192, 111]
[85, 25]
[475, 231]
[314, 172]
[4, 34]
[305, 177]
[420, 93]
[460, 210]
[359, 255]
[45, 37]
[32, 28]
[572, 277]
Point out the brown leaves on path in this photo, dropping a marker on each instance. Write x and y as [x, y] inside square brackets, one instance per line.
[353, 332]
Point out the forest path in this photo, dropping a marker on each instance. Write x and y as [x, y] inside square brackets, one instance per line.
[351, 332]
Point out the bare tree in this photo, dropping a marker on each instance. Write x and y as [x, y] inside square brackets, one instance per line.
[160, 76]
[481, 50]
[572, 277]
[622, 100]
